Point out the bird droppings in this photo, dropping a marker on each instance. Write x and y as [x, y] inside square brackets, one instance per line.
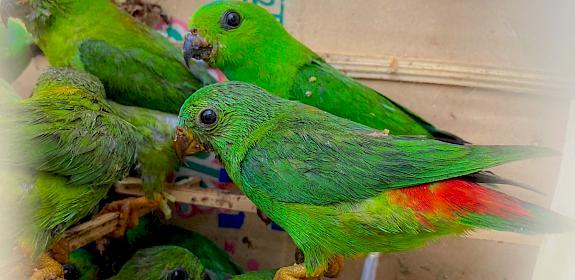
[382, 133]
[308, 93]
[248, 242]
[312, 79]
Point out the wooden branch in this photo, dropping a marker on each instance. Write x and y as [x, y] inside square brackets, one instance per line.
[84, 234]
[441, 72]
[190, 192]
[90, 231]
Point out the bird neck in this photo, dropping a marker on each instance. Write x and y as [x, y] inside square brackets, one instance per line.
[272, 65]
[232, 151]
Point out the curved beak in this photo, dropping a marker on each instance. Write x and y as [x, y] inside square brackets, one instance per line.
[185, 144]
[196, 47]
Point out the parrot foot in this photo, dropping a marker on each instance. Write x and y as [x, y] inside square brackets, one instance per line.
[295, 272]
[335, 267]
[48, 269]
[131, 209]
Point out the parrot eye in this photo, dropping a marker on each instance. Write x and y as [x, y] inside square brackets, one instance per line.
[208, 116]
[231, 19]
[178, 274]
[70, 272]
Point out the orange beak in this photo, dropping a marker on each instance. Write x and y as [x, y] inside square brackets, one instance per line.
[185, 144]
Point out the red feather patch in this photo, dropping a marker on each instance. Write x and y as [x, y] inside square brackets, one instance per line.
[456, 197]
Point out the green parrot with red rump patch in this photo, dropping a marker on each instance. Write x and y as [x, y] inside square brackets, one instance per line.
[342, 189]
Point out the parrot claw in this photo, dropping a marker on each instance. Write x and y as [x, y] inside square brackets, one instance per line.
[164, 207]
[335, 268]
[131, 209]
[295, 272]
[48, 269]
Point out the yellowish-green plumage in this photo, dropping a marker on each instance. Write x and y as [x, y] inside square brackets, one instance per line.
[76, 147]
[77, 144]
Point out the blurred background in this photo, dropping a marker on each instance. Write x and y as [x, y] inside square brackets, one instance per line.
[493, 72]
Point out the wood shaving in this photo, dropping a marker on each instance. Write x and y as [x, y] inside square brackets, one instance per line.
[144, 11]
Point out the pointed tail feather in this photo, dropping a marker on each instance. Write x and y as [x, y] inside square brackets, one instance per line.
[547, 221]
[503, 154]
[448, 204]
[491, 179]
[488, 208]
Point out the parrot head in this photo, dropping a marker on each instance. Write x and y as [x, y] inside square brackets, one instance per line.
[220, 115]
[163, 262]
[222, 30]
[68, 81]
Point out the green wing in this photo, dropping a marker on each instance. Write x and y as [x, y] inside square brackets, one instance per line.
[320, 85]
[322, 159]
[78, 138]
[140, 77]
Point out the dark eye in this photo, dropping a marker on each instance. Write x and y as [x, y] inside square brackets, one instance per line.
[208, 116]
[70, 272]
[231, 19]
[178, 274]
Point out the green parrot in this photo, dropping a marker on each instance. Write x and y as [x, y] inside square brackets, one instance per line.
[66, 131]
[151, 232]
[162, 262]
[78, 144]
[15, 49]
[342, 189]
[248, 44]
[91, 263]
[175, 263]
[137, 65]
[64, 134]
